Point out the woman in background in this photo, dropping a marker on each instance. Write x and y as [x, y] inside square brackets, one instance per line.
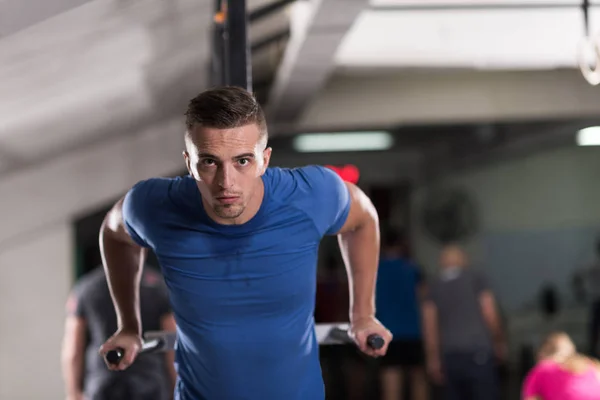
[561, 373]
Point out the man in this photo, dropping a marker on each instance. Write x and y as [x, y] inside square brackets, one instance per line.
[463, 336]
[400, 286]
[237, 242]
[91, 319]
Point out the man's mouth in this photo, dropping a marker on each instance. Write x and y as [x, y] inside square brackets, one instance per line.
[227, 199]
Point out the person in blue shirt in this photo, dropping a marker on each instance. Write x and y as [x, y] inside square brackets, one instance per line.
[237, 243]
[400, 285]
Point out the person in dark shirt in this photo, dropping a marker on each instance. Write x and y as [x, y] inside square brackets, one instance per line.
[91, 319]
[462, 329]
[400, 285]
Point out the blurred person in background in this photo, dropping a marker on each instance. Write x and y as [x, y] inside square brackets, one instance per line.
[400, 286]
[462, 329]
[561, 373]
[332, 306]
[91, 319]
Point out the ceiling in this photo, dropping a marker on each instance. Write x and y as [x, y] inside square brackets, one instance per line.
[484, 34]
[75, 72]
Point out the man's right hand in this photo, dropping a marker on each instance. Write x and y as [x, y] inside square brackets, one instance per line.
[131, 343]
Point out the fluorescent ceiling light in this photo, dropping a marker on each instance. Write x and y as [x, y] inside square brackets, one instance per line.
[351, 141]
[589, 136]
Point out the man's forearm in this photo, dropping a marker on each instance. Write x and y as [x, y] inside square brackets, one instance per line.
[432, 348]
[496, 331]
[123, 263]
[430, 331]
[72, 375]
[360, 250]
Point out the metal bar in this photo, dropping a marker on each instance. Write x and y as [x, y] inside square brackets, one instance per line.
[476, 7]
[267, 10]
[218, 61]
[238, 48]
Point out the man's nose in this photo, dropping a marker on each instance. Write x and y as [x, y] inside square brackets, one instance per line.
[225, 176]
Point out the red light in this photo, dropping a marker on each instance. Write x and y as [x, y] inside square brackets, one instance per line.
[348, 173]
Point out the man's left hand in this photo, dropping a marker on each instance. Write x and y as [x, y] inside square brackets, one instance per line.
[362, 328]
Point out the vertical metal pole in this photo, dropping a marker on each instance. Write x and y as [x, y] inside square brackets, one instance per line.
[238, 48]
[218, 70]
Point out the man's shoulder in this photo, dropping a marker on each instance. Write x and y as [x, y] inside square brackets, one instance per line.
[161, 186]
[160, 190]
[90, 282]
[306, 172]
[299, 179]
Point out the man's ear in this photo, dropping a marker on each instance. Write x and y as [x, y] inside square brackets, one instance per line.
[266, 159]
[188, 163]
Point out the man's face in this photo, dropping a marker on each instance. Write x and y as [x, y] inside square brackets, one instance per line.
[227, 165]
[453, 256]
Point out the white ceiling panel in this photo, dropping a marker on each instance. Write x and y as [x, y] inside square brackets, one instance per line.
[487, 39]
[433, 3]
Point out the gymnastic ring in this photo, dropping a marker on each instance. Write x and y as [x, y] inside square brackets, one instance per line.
[587, 46]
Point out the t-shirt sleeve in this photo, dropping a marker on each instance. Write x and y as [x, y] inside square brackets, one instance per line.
[531, 385]
[75, 306]
[480, 282]
[431, 294]
[139, 207]
[329, 199]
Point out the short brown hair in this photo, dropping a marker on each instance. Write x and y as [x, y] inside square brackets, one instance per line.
[225, 107]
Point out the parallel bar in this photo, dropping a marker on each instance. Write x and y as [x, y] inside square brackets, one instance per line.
[267, 10]
[238, 48]
[218, 70]
[326, 334]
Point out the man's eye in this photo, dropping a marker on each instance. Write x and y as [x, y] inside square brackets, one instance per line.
[243, 161]
[208, 161]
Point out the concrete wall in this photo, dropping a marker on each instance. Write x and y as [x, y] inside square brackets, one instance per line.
[34, 280]
[36, 247]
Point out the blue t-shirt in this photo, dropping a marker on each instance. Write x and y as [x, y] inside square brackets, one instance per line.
[243, 295]
[396, 298]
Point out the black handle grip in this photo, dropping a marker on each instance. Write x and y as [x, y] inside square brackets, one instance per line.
[375, 341]
[114, 357]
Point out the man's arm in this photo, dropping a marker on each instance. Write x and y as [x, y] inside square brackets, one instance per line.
[431, 329]
[123, 261]
[421, 289]
[491, 317]
[342, 209]
[359, 244]
[73, 350]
